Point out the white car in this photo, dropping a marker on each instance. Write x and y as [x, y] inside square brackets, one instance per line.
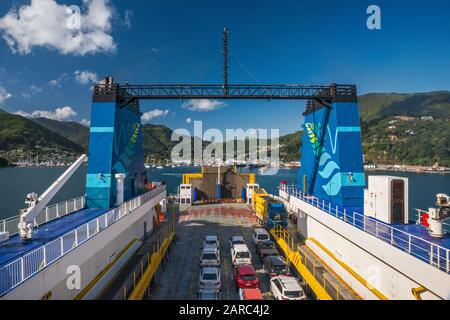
[210, 257]
[286, 288]
[209, 279]
[236, 240]
[211, 242]
[240, 255]
[259, 235]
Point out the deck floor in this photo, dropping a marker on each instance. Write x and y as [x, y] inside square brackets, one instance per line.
[178, 279]
[16, 247]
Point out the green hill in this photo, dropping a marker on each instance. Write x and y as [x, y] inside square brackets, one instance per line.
[3, 162]
[19, 133]
[387, 138]
[409, 139]
[375, 106]
[71, 130]
[157, 141]
[290, 145]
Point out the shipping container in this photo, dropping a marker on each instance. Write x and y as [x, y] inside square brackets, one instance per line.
[269, 211]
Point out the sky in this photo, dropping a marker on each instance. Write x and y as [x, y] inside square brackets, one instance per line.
[49, 62]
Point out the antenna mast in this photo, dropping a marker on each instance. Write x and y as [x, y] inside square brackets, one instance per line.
[225, 60]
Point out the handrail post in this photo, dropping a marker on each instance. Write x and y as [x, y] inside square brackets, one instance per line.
[447, 259]
[22, 270]
[439, 257]
[44, 254]
[409, 243]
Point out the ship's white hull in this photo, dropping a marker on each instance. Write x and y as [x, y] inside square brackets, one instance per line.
[372, 268]
[57, 281]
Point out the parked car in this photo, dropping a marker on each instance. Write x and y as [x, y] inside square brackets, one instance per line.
[210, 257]
[209, 279]
[250, 294]
[240, 255]
[266, 248]
[208, 294]
[286, 288]
[211, 241]
[245, 277]
[259, 235]
[236, 240]
[275, 266]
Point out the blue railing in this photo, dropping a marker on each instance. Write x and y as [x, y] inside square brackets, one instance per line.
[26, 266]
[420, 248]
[52, 212]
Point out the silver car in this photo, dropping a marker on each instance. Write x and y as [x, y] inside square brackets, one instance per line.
[209, 279]
[210, 257]
[211, 242]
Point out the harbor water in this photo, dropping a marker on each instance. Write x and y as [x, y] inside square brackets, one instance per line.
[16, 183]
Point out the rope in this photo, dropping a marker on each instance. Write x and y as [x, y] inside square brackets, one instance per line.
[245, 68]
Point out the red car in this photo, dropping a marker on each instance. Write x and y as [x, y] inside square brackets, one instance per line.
[245, 277]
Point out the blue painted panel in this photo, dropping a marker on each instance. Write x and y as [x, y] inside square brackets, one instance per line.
[102, 129]
[115, 147]
[340, 157]
[103, 114]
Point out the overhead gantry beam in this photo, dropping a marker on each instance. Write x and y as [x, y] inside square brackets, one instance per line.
[327, 94]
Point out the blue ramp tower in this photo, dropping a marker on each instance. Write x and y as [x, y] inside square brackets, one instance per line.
[115, 149]
[332, 162]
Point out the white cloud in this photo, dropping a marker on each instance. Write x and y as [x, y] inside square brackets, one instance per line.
[157, 113]
[56, 83]
[60, 114]
[86, 122]
[25, 95]
[35, 89]
[4, 95]
[45, 23]
[127, 20]
[202, 105]
[159, 50]
[86, 77]
[188, 120]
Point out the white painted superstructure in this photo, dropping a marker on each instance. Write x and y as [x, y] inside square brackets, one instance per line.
[366, 253]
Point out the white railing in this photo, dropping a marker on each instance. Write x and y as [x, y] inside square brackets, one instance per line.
[420, 248]
[47, 214]
[420, 213]
[26, 266]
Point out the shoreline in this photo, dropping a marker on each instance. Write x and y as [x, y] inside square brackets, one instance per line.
[407, 168]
